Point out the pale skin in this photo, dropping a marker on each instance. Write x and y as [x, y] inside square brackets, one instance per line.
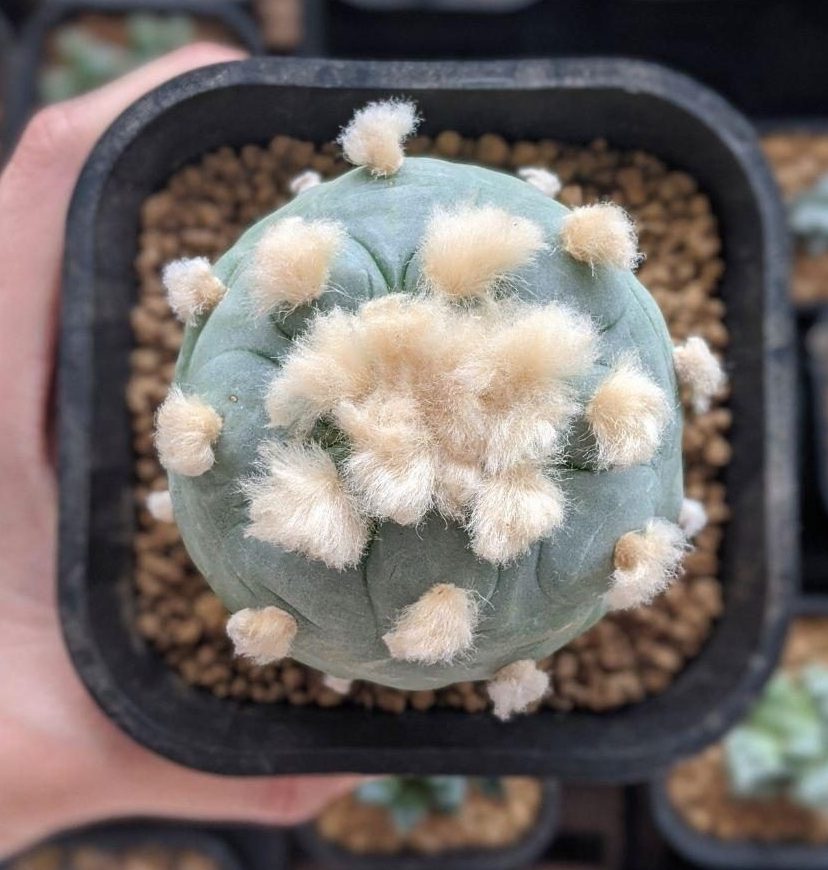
[62, 762]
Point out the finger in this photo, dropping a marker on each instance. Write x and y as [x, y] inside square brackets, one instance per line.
[164, 789]
[35, 191]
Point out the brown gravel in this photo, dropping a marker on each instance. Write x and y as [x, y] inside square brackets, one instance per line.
[798, 161]
[96, 858]
[628, 655]
[481, 822]
[698, 787]
[281, 23]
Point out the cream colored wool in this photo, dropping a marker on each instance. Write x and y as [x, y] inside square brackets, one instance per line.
[456, 485]
[192, 288]
[292, 263]
[646, 562]
[444, 407]
[470, 250]
[159, 504]
[627, 415]
[263, 634]
[699, 371]
[545, 181]
[337, 684]
[301, 505]
[375, 135]
[601, 234]
[392, 464]
[186, 428]
[692, 517]
[304, 181]
[516, 687]
[513, 510]
[437, 628]
[326, 366]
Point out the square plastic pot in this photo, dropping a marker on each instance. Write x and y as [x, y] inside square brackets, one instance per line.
[633, 105]
[708, 851]
[524, 853]
[23, 97]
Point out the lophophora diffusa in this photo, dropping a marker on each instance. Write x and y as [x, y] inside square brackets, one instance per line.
[436, 429]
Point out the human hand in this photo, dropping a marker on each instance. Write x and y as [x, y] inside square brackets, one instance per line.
[62, 762]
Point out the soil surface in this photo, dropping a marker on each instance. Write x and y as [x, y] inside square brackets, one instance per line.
[482, 822]
[627, 656]
[698, 788]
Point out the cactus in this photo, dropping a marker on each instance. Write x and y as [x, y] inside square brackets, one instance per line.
[410, 799]
[426, 426]
[85, 61]
[808, 218]
[782, 748]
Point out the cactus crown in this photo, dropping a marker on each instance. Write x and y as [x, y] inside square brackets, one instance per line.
[426, 425]
[409, 799]
[782, 748]
[808, 218]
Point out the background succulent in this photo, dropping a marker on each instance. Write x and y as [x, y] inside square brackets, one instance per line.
[410, 799]
[83, 60]
[782, 748]
[808, 218]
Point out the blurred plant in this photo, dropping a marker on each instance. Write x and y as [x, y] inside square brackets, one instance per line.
[782, 748]
[85, 60]
[409, 799]
[808, 218]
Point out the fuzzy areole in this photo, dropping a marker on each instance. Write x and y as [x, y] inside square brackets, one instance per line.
[510, 501]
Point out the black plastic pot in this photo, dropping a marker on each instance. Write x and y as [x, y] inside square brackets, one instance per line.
[521, 854]
[632, 105]
[707, 851]
[816, 346]
[23, 98]
[6, 54]
[122, 837]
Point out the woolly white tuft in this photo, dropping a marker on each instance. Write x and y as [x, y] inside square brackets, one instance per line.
[692, 517]
[159, 504]
[545, 181]
[468, 251]
[186, 428]
[646, 562]
[516, 687]
[699, 371]
[292, 262]
[627, 414]
[192, 288]
[375, 135]
[337, 684]
[304, 181]
[601, 234]
[262, 634]
[456, 485]
[301, 505]
[326, 366]
[437, 628]
[511, 511]
[392, 465]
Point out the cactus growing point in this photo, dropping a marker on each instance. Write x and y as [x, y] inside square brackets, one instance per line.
[434, 423]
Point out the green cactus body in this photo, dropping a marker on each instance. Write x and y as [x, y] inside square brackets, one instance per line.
[782, 748]
[531, 605]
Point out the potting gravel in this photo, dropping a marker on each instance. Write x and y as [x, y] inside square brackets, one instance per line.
[624, 658]
[698, 787]
[799, 160]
